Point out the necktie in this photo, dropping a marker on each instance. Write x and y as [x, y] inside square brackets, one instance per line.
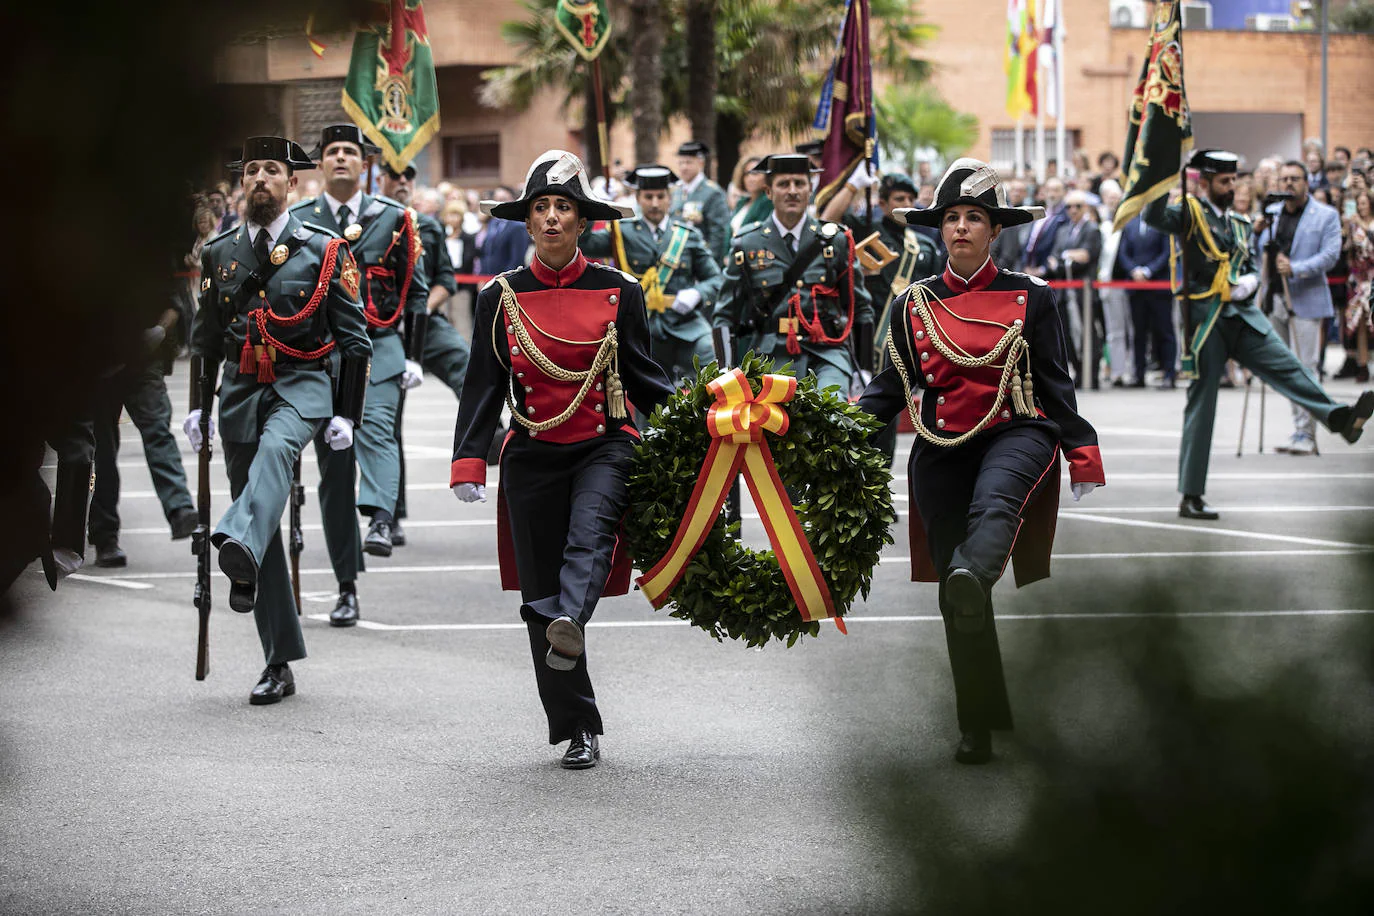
[791, 243]
[345, 216]
[260, 247]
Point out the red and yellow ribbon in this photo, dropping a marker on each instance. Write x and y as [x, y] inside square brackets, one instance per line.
[737, 422]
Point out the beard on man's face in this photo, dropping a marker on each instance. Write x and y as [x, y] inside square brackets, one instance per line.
[1224, 201]
[263, 207]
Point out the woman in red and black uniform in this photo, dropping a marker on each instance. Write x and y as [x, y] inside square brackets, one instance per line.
[564, 342]
[986, 348]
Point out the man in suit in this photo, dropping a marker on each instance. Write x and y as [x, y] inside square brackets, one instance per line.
[1008, 249]
[506, 242]
[279, 304]
[446, 351]
[1040, 238]
[670, 259]
[791, 291]
[699, 200]
[1144, 255]
[1220, 285]
[1073, 256]
[385, 240]
[1300, 242]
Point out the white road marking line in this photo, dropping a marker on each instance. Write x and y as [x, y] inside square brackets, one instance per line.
[863, 619]
[102, 580]
[1217, 532]
[1173, 510]
[1139, 431]
[1116, 476]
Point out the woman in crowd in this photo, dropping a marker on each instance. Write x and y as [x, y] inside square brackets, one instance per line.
[986, 349]
[206, 228]
[753, 205]
[564, 343]
[1359, 313]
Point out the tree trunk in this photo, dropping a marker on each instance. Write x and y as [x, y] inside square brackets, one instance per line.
[646, 78]
[730, 135]
[702, 75]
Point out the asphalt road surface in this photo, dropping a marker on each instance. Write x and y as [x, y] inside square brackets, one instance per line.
[410, 773]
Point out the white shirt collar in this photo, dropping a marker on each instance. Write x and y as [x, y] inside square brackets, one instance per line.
[783, 231]
[689, 186]
[661, 227]
[355, 203]
[274, 230]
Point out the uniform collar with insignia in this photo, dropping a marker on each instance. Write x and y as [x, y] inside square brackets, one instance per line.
[783, 231]
[274, 230]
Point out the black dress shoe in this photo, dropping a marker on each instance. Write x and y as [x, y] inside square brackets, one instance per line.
[1138, 383]
[566, 643]
[975, 747]
[378, 541]
[398, 534]
[236, 561]
[110, 555]
[1194, 507]
[1348, 368]
[966, 600]
[1350, 421]
[583, 750]
[345, 613]
[183, 522]
[276, 682]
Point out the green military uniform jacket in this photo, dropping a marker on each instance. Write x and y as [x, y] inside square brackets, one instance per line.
[221, 325]
[387, 250]
[1210, 277]
[679, 260]
[705, 207]
[753, 305]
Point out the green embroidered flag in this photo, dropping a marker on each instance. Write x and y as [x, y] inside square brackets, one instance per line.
[391, 92]
[1159, 134]
[586, 25]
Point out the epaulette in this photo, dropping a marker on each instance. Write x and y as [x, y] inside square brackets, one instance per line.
[493, 280]
[1020, 276]
[314, 227]
[224, 235]
[748, 227]
[390, 201]
[302, 204]
[631, 277]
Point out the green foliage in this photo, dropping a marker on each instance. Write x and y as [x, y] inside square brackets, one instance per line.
[1357, 17]
[913, 118]
[839, 484]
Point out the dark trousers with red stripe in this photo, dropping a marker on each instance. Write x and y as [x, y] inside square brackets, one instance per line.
[970, 499]
[566, 504]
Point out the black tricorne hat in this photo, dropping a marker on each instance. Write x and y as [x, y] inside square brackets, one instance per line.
[786, 164]
[810, 147]
[557, 172]
[343, 133]
[694, 148]
[278, 149]
[651, 178]
[1214, 161]
[972, 182]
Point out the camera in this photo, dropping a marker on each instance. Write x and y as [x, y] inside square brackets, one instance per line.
[1277, 197]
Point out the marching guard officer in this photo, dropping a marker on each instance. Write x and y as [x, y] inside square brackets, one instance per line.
[790, 290]
[279, 304]
[1221, 285]
[677, 272]
[986, 350]
[565, 344]
[446, 350]
[699, 200]
[385, 241]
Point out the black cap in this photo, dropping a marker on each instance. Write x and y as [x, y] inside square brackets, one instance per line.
[343, 133]
[408, 173]
[651, 178]
[896, 181]
[786, 164]
[811, 147]
[1214, 161]
[278, 149]
[557, 172]
[694, 148]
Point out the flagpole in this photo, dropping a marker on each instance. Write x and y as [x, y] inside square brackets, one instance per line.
[1060, 143]
[1039, 130]
[601, 133]
[1019, 163]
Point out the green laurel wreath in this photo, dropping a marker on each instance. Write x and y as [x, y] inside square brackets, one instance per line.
[841, 492]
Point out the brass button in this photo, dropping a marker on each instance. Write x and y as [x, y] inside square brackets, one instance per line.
[1006, 415]
[929, 378]
[940, 400]
[920, 335]
[530, 410]
[301, 294]
[529, 390]
[599, 386]
[1017, 322]
[1020, 300]
[226, 298]
[913, 310]
[533, 433]
[799, 284]
[599, 408]
[510, 329]
[514, 351]
[600, 427]
[940, 423]
[262, 294]
[519, 375]
[925, 357]
[614, 299]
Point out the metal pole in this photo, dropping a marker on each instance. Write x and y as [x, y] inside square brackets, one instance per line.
[1019, 165]
[1326, 31]
[1060, 141]
[1089, 359]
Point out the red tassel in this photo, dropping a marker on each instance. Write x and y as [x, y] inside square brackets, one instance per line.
[247, 363]
[266, 372]
[793, 344]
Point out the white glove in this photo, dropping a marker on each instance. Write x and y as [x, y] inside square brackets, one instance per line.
[191, 427]
[1245, 287]
[338, 435]
[471, 492]
[413, 377]
[154, 336]
[860, 179]
[686, 300]
[1081, 490]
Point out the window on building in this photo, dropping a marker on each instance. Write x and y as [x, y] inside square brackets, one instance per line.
[476, 157]
[1003, 157]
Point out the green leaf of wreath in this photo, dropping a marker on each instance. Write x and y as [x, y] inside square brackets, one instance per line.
[841, 491]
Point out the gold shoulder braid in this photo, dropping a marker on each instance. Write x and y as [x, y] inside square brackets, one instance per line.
[607, 360]
[1012, 344]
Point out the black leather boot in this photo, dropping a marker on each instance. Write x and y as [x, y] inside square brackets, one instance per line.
[1194, 507]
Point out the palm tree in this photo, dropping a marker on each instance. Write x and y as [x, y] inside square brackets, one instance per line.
[645, 90]
[915, 118]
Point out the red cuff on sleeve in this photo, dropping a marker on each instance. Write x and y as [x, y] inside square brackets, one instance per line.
[468, 470]
[1085, 465]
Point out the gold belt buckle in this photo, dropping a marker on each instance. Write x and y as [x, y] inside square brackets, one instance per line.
[788, 326]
